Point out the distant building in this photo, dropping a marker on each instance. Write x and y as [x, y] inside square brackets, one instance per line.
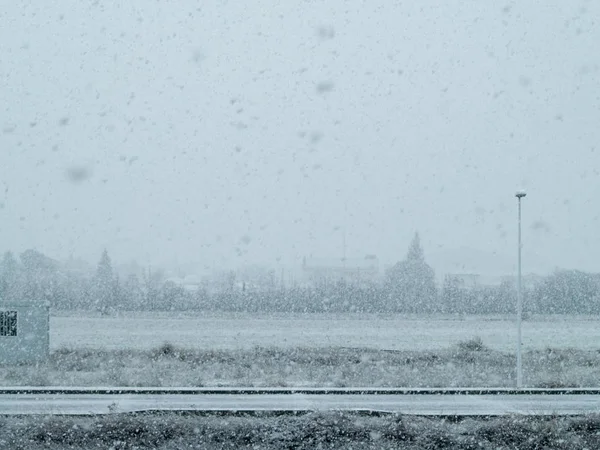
[485, 268]
[529, 281]
[256, 278]
[465, 280]
[472, 280]
[355, 270]
[191, 283]
[24, 333]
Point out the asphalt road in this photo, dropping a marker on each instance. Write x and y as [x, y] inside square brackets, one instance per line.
[418, 404]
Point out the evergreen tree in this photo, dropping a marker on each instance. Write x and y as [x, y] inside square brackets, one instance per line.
[105, 292]
[9, 275]
[568, 292]
[415, 251]
[40, 277]
[153, 282]
[411, 283]
[133, 293]
[452, 295]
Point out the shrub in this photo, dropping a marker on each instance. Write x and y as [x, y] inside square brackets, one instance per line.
[472, 345]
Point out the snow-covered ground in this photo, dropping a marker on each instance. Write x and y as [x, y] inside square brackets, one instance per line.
[144, 349]
[230, 331]
[169, 431]
[469, 364]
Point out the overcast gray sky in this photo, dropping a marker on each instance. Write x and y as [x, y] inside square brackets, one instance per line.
[230, 132]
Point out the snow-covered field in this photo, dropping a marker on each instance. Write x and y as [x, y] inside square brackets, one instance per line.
[144, 349]
[229, 331]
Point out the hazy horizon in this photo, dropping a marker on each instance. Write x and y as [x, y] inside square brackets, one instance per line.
[449, 261]
[231, 134]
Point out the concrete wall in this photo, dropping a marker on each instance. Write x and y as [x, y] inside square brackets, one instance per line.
[32, 342]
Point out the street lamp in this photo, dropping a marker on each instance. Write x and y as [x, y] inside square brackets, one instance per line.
[519, 195]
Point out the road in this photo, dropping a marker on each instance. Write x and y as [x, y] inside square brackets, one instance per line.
[418, 404]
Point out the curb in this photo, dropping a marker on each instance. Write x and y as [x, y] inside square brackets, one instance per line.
[32, 390]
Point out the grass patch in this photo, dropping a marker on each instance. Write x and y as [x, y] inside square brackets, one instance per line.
[467, 364]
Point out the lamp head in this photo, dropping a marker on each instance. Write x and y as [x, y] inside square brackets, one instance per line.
[520, 194]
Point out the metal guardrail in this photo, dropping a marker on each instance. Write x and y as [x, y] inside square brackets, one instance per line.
[58, 390]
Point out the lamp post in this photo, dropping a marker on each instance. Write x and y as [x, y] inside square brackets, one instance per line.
[519, 195]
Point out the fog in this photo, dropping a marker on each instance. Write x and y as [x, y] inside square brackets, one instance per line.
[228, 133]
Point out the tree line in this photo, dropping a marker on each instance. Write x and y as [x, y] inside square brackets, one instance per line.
[408, 287]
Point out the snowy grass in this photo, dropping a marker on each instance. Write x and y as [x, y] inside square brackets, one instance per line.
[222, 331]
[467, 364]
[306, 431]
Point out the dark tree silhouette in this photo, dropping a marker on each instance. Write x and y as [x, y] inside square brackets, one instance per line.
[105, 289]
[412, 282]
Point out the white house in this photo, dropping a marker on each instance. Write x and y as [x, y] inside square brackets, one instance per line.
[356, 270]
[24, 333]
